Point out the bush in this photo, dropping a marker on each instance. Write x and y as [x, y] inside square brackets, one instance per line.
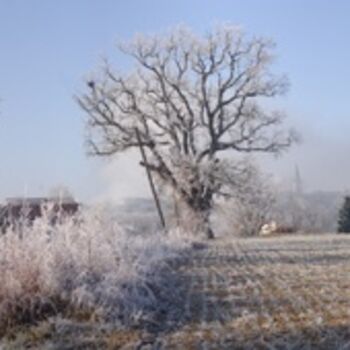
[251, 205]
[84, 267]
[344, 216]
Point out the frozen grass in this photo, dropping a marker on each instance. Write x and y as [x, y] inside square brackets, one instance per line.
[85, 268]
[287, 292]
[94, 286]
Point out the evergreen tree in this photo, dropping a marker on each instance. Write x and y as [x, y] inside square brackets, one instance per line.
[344, 216]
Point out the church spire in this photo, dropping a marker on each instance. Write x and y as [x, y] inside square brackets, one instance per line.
[298, 182]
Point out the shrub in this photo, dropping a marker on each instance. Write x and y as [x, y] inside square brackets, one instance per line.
[84, 267]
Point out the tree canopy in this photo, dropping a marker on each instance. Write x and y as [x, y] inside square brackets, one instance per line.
[191, 98]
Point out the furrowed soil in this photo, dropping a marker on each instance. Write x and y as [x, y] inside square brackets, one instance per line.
[290, 292]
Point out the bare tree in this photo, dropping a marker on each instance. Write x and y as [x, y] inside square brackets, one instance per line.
[191, 98]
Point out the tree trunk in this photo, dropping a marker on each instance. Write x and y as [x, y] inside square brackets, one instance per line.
[201, 205]
[207, 228]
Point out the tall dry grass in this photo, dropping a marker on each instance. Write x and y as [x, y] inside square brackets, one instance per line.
[85, 267]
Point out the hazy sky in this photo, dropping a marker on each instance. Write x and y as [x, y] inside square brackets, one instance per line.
[47, 47]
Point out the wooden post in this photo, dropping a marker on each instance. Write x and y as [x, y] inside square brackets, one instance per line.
[150, 180]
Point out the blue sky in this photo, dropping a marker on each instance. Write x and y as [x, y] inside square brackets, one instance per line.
[47, 47]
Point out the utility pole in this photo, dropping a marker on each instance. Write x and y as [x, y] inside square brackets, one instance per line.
[150, 179]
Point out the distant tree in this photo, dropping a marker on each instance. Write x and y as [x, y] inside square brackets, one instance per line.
[191, 98]
[344, 216]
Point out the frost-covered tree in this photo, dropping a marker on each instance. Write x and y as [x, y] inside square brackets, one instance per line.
[192, 98]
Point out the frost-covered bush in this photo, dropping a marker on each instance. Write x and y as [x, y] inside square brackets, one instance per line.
[250, 204]
[86, 266]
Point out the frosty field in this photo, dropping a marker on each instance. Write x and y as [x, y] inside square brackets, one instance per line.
[284, 293]
[288, 292]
